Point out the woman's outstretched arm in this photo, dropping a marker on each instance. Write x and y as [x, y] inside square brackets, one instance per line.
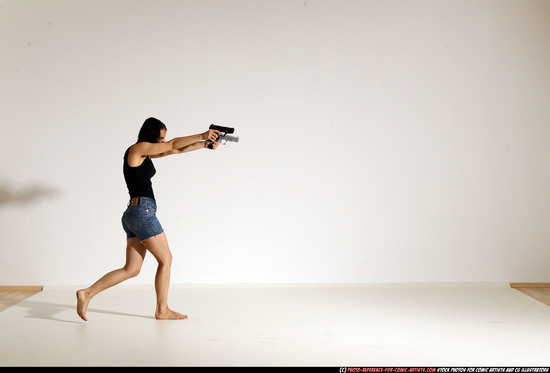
[144, 149]
[186, 149]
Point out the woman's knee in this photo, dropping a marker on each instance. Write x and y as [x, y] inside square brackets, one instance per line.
[165, 258]
[132, 271]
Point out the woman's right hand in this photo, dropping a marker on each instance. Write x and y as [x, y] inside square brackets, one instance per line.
[211, 135]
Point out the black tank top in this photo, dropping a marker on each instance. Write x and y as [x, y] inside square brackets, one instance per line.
[138, 179]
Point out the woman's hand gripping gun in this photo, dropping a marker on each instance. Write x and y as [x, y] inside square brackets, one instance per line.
[223, 137]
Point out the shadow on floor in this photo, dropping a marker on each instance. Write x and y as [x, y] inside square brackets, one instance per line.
[48, 311]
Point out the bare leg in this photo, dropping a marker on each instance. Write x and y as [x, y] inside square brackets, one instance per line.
[158, 246]
[135, 253]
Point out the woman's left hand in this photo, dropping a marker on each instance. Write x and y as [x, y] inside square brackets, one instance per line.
[214, 144]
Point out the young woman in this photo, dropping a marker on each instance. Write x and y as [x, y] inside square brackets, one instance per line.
[143, 230]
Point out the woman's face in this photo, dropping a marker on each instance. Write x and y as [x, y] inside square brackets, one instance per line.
[162, 135]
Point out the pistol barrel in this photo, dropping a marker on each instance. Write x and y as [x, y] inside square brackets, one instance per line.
[229, 138]
[222, 128]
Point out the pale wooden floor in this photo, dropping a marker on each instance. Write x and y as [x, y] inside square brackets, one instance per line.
[282, 325]
[540, 294]
[11, 296]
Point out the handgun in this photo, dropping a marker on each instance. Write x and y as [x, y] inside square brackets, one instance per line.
[223, 137]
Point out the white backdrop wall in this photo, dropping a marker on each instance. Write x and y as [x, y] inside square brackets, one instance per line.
[381, 141]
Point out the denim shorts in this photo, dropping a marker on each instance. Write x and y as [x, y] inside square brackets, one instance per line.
[141, 220]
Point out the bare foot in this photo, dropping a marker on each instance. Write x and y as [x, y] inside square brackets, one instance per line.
[168, 314]
[82, 304]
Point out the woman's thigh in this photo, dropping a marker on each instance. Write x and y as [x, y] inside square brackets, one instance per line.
[158, 247]
[135, 254]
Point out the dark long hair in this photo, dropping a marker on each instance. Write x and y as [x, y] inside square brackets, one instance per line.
[150, 130]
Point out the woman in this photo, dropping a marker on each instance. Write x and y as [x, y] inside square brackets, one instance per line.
[143, 230]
